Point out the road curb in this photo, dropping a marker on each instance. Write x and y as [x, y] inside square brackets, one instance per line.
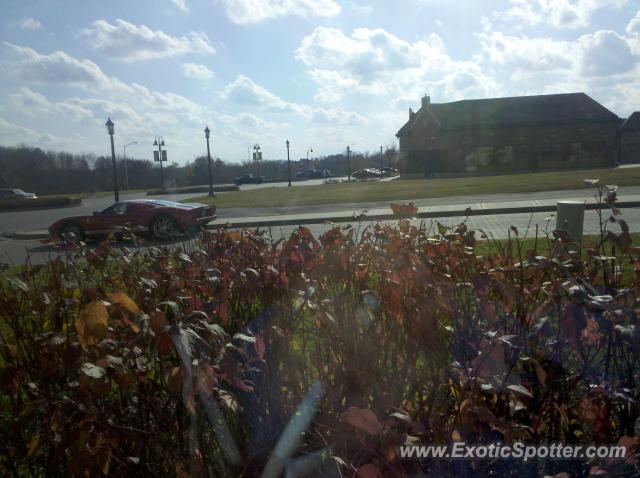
[26, 235]
[302, 221]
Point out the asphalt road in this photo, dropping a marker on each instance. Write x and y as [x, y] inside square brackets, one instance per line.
[26, 220]
[41, 219]
[16, 251]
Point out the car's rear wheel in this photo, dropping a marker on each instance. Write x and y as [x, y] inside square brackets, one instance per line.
[163, 227]
[71, 232]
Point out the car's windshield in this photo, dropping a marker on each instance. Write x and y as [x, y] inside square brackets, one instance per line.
[118, 208]
[309, 238]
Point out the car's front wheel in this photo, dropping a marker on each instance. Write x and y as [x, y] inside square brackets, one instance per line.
[71, 232]
[163, 227]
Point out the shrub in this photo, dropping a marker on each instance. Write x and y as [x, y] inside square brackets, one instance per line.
[237, 354]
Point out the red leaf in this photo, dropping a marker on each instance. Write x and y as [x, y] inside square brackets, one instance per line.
[368, 471]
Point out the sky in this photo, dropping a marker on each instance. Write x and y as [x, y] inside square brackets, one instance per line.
[322, 73]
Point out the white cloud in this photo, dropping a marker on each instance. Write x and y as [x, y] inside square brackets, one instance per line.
[28, 23]
[60, 68]
[373, 61]
[243, 90]
[254, 11]
[181, 4]
[194, 70]
[606, 53]
[337, 116]
[15, 134]
[523, 55]
[135, 108]
[124, 41]
[633, 27]
[600, 53]
[28, 101]
[363, 10]
[558, 13]
[57, 67]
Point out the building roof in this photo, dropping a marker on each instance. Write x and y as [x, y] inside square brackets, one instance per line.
[632, 122]
[517, 110]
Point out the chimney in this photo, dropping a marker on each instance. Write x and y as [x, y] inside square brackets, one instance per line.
[426, 101]
[411, 113]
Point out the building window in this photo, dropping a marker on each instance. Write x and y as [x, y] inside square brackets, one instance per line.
[486, 156]
[574, 151]
[505, 156]
[471, 161]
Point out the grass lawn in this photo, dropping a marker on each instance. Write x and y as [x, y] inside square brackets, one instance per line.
[374, 191]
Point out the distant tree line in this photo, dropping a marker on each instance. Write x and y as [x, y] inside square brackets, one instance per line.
[50, 172]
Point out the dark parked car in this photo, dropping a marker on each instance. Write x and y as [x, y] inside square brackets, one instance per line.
[306, 174]
[163, 219]
[16, 194]
[313, 174]
[368, 173]
[248, 179]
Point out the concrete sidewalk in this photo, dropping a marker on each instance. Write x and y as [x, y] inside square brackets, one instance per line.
[385, 214]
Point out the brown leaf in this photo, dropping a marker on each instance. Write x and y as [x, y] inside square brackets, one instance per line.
[124, 301]
[363, 419]
[10, 379]
[205, 378]
[92, 323]
[632, 444]
[572, 322]
[173, 378]
[540, 372]
[491, 360]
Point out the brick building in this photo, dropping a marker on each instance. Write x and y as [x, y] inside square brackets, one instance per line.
[527, 133]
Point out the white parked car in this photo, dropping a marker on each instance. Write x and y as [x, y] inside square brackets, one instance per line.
[16, 194]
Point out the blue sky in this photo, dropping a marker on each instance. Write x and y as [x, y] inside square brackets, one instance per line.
[321, 73]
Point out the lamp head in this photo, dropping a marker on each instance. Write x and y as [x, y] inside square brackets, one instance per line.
[207, 131]
[287, 143]
[109, 125]
[162, 142]
[155, 142]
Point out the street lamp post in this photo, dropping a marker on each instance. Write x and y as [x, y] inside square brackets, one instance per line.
[380, 162]
[159, 142]
[288, 164]
[309, 149]
[257, 155]
[207, 131]
[348, 164]
[110, 130]
[126, 169]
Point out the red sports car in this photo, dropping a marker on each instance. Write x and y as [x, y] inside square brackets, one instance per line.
[163, 219]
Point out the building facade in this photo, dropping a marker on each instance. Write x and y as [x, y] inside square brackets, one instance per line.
[528, 133]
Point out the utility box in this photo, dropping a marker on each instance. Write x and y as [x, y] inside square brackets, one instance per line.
[570, 218]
